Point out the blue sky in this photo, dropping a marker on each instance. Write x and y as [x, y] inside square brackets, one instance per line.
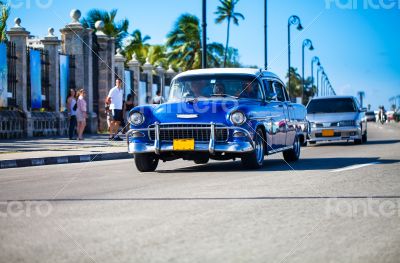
[359, 47]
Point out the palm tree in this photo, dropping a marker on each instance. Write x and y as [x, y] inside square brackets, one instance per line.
[118, 30]
[4, 15]
[226, 11]
[295, 83]
[157, 55]
[184, 43]
[137, 44]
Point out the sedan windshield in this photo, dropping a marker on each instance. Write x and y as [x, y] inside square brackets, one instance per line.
[331, 106]
[209, 86]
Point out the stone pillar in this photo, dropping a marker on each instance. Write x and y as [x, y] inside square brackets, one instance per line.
[120, 66]
[78, 41]
[161, 73]
[148, 69]
[170, 72]
[19, 36]
[134, 65]
[106, 71]
[51, 44]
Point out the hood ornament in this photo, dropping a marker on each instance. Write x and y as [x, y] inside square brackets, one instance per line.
[187, 116]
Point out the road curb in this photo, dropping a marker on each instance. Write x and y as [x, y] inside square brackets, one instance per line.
[6, 164]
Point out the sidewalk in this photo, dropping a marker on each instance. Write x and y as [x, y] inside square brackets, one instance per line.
[57, 150]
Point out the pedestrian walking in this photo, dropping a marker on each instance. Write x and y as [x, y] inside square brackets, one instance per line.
[115, 100]
[81, 113]
[128, 106]
[158, 98]
[71, 109]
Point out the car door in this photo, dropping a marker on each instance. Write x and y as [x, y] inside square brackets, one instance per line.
[278, 112]
[290, 114]
[268, 122]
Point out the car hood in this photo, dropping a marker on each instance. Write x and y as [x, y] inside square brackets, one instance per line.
[206, 110]
[332, 117]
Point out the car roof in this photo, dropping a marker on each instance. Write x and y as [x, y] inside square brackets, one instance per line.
[245, 71]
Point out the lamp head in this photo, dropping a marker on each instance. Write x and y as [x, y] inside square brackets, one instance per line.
[300, 27]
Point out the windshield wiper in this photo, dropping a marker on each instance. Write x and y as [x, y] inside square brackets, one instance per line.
[224, 95]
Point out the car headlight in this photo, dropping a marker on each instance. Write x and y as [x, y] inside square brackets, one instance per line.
[238, 118]
[136, 118]
[313, 125]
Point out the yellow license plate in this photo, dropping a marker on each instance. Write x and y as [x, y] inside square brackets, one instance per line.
[183, 144]
[328, 133]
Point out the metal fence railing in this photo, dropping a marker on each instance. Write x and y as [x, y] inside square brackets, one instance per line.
[11, 74]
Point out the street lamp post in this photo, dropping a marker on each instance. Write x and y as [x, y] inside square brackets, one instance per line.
[204, 36]
[326, 85]
[293, 20]
[265, 35]
[314, 60]
[320, 68]
[306, 43]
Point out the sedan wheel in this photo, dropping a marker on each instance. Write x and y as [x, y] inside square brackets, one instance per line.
[146, 162]
[293, 154]
[255, 159]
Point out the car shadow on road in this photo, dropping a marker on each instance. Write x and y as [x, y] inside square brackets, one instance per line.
[374, 142]
[307, 164]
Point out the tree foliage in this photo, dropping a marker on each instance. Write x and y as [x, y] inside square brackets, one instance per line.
[226, 12]
[112, 28]
[4, 15]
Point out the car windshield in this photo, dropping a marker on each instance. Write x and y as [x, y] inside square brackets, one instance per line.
[331, 105]
[209, 86]
[370, 113]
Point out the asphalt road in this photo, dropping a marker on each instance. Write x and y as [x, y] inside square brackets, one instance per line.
[339, 203]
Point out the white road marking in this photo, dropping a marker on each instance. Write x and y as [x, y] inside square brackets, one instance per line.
[353, 167]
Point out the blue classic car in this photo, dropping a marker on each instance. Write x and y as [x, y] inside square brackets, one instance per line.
[218, 114]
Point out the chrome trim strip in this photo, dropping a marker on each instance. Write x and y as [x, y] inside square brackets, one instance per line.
[157, 139]
[211, 146]
[281, 149]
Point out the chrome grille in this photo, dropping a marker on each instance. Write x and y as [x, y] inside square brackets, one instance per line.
[198, 132]
[326, 124]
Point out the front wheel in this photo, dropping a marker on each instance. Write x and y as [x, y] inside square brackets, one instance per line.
[365, 138]
[255, 159]
[201, 160]
[146, 162]
[293, 154]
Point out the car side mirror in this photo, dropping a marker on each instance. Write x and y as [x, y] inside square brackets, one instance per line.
[272, 96]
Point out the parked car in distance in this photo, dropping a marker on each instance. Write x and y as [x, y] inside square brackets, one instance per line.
[390, 116]
[219, 114]
[336, 118]
[370, 116]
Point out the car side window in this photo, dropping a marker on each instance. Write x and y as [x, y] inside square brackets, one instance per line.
[286, 94]
[268, 88]
[279, 91]
[356, 104]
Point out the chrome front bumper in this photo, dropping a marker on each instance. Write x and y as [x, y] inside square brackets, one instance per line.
[341, 134]
[212, 146]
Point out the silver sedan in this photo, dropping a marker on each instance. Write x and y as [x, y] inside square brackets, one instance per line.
[337, 118]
